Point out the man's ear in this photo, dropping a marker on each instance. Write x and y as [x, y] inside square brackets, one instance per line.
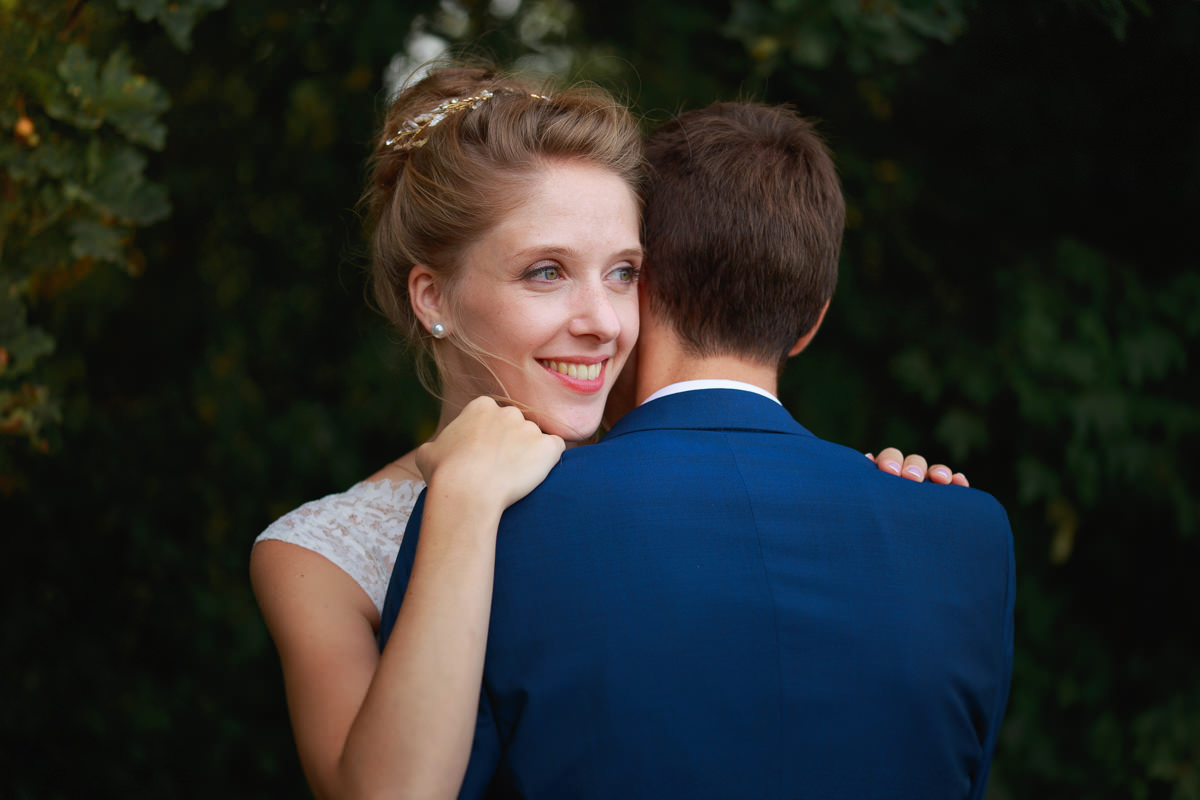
[425, 295]
[804, 340]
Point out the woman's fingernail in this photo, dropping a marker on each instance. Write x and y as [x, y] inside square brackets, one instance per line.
[914, 471]
[941, 473]
[892, 467]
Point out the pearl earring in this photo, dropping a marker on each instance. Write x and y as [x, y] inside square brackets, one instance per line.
[438, 330]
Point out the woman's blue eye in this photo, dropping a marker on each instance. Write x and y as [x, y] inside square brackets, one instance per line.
[548, 273]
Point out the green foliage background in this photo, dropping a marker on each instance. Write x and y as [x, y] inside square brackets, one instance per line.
[186, 353]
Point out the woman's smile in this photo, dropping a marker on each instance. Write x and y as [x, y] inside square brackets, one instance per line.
[584, 376]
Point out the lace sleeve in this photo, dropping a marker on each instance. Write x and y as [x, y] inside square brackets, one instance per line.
[359, 530]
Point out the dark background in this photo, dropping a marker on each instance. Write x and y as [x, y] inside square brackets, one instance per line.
[186, 351]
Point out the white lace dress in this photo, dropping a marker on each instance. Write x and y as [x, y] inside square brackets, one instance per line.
[359, 530]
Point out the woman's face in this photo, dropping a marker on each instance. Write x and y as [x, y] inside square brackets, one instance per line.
[550, 295]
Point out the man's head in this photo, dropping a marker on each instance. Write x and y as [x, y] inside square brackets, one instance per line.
[743, 227]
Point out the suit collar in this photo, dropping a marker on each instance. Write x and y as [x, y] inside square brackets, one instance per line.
[710, 409]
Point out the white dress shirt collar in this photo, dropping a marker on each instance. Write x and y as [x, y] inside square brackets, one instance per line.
[708, 383]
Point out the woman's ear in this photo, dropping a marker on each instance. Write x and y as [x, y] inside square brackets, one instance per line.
[425, 294]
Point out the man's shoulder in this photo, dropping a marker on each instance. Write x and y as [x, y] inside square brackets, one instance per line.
[790, 462]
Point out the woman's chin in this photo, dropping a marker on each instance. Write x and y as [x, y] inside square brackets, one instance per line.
[573, 431]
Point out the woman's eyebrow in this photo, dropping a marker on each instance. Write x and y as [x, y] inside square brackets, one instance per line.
[571, 252]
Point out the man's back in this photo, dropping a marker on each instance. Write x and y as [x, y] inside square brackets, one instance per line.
[714, 603]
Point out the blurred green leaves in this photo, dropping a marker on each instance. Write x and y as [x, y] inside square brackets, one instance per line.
[1165, 739]
[25, 408]
[809, 34]
[177, 17]
[1091, 357]
[75, 189]
[89, 96]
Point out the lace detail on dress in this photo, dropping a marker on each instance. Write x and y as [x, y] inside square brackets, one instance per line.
[359, 530]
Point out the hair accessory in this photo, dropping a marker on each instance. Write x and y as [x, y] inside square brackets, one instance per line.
[438, 330]
[406, 137]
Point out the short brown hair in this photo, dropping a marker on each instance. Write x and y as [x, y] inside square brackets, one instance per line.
[742, 225]
[426, 204]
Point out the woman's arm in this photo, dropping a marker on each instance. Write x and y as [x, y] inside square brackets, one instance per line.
[413, 736]
[323, 625]
[401, 725]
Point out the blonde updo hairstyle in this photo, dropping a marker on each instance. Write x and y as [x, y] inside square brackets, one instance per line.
[427, 204]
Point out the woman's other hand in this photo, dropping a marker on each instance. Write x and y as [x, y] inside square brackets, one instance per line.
[915, 468]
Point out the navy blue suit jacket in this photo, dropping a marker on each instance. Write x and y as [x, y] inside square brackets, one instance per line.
[712, 602]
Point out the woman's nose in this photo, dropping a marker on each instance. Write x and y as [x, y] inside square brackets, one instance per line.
[595, 315]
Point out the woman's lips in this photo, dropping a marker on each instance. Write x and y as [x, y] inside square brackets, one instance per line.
[574, 369]
[585, 377]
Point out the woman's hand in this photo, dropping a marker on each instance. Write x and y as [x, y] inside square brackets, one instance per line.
[491, 450]
[915, 468]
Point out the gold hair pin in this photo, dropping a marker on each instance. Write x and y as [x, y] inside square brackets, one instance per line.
[407, 137]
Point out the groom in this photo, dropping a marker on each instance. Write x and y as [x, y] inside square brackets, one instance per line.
[713, 602]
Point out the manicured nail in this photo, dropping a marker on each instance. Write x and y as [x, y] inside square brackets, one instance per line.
[914, 471]
[941, 473]
[892, 467]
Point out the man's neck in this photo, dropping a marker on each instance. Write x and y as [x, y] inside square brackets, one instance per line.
[662, 362]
